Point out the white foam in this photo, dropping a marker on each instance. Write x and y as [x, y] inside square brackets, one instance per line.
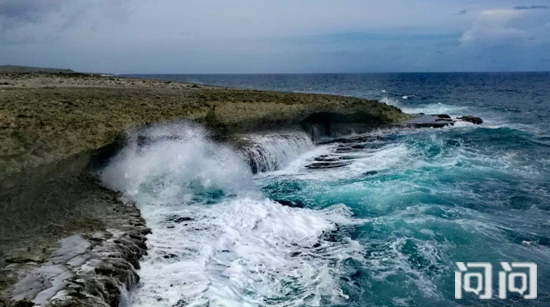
[364, 161]
[382, 159]
[433, 108]
[390, 101]
[242, 253]
[270, 152]
[170, 168]
[296, 167]
[239, 249]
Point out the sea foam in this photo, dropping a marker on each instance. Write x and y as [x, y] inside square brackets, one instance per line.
[216, 239]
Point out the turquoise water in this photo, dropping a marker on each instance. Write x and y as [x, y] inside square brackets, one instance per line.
[436, 198]
[383, 226]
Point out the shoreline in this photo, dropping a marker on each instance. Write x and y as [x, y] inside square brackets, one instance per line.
[56, 127]
[47, 117]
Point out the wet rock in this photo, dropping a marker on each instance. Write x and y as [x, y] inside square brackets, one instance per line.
[7, 303]
[88, 269]
[20, 260]
[354, 139]
[182, 219]
[178, 219]
[180, 303]
[348, 157]
[333, 235]
[290, 203]
[326, 158]
[327, 165]
[428, 121]
[472, 119]
[370, 173]
[345, 149]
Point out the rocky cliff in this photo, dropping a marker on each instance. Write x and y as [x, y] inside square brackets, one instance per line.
[55, 128]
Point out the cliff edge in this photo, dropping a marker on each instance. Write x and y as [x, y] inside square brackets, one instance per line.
[55, 219]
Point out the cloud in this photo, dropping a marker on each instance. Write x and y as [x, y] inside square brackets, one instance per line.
[504, 13]
[42, 21]
[242, 36]
[21, 12]
[532, 7]
[507, 26]
[492, 26]
[461, 12]
[16, 11]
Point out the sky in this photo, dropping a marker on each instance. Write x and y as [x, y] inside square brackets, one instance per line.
[276, 36]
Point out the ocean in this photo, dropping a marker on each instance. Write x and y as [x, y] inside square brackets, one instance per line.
[376, 219]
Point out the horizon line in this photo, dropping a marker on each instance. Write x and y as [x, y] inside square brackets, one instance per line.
[343, 73]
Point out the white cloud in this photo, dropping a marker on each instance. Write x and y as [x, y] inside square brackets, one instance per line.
[493, 26]
[502, 13]
[506, 26]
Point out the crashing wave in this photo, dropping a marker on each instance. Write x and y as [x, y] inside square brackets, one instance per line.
[216, 239]
[270, 152]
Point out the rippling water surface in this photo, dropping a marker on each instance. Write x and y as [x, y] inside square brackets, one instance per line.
[371, 220]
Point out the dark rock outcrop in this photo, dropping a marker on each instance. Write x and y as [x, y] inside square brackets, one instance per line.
[327, 165]
[428, 121]
[471, 119]
[320, 115]
[86, 270]
[290, 203]
[55, 219]
[370, 173]
[436, 121]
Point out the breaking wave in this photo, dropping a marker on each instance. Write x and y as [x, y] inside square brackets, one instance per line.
[422, 199]
[431, 108]
[217, 241]
[269, 152]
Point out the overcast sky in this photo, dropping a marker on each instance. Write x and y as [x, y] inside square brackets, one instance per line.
[276, 36]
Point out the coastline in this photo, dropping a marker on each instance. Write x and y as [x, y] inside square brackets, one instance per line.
[57, 127]
[48, 117]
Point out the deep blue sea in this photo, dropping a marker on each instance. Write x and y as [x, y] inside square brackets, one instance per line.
[384, 227]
